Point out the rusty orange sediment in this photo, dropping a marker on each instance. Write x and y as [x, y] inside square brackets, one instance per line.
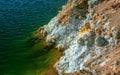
[84, 30]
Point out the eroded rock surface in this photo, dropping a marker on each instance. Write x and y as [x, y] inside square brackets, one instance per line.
[88, 36]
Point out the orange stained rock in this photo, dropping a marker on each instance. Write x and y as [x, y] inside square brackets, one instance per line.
[98, 17]
[63, 15]
[84, 29]
[109, 32]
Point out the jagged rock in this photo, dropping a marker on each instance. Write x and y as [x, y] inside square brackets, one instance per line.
[80, 37]
[116, 34]
[94, 72]
[92, 25]
[60, 47]
[107, 37]
[99, 22]
[97, 31]
[50, 39]
[89, 38]
[111, 40]
[93, 64]
[91, 33]
[81, 42]
[114, 28]
[90, 2]
[89, 42]
[116, 62]
[106, 26]
[105, 19]
[99, 41]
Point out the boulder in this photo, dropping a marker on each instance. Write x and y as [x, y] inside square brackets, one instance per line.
[99, 41]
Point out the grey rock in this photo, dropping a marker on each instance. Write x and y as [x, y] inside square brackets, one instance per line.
[114, 28]
[99, 22]
[91, 33]
[99, 41]
[89, 38]
[107, 37]
[106, 26]
[81, 42]
[92, 25]
[89, 42]
[105, 19]
[116, 62]
[99, 56]
[94, 72]
[60, 47]
[116, 34]
[112, 40]
[93, 64]
[116, 42]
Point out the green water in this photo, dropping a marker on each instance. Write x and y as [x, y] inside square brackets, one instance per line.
[18, 19]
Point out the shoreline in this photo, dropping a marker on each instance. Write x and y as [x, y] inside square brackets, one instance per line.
[84, 34]
[53, 54]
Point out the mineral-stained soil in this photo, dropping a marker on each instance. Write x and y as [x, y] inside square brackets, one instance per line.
[112, 9]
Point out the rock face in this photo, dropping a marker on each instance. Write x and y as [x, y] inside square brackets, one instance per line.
[83, 29]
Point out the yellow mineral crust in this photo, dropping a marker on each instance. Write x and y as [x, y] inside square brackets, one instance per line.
[84, 30]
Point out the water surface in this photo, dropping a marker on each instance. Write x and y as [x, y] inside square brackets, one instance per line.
[18, 19]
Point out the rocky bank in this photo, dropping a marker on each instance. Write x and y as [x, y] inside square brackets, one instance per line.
[88, 34]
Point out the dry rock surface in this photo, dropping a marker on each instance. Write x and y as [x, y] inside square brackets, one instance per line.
[88, 34]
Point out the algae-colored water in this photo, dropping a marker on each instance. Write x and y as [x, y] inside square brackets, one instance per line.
[18, 19]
